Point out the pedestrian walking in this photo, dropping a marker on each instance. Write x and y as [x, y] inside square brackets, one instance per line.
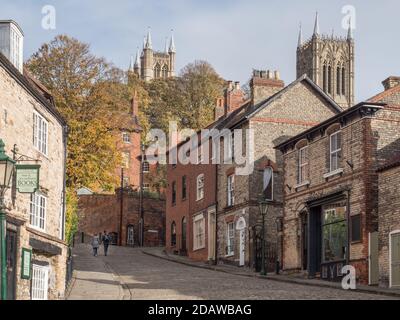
[106, 242]
[95, 244]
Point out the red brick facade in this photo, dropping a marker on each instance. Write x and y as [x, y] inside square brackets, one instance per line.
[348, 191]
[99, 212]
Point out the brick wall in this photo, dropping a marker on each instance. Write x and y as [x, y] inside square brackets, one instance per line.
[102, 212]
[389, 217]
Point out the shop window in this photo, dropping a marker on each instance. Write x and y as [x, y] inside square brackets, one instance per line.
[334, 239]
[40, 282]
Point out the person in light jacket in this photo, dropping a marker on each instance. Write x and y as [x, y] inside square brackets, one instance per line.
[95, 244]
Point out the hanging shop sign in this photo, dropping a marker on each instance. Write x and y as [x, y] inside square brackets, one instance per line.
[27, 178]
[26, 263]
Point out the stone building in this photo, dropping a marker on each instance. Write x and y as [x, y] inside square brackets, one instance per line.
[191, 195]
[274, 113]
[329, 62]
[150, 64]
[103, 212]
[331, 192]
[31, 127]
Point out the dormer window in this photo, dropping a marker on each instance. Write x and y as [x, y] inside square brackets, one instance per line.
[126, 138]
[11, 43]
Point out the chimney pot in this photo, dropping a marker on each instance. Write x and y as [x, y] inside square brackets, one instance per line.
[391, 82]
[237, 85]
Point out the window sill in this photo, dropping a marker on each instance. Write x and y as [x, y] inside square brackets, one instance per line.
[303, 184]
[333, 173]
[230, 255]
[198, 249]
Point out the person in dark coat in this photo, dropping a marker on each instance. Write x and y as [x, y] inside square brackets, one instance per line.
[106, 242]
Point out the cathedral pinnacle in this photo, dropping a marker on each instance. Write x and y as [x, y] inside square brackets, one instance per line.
[316, 25]
[172, 48]
[148, 44]
[300, 41]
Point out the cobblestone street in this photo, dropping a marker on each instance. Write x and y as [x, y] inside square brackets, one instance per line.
[127, 273]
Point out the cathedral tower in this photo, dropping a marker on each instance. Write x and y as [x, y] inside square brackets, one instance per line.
[152, 64]
[329, 62]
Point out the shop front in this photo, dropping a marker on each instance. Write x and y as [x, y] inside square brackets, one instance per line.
[327, 234]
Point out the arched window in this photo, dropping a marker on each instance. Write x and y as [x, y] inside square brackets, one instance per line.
[324, 77]
[343, 81]
[173, 234]
[157, 71]
[329, 79]
[338, 81]
[268, 183]
[165, 72]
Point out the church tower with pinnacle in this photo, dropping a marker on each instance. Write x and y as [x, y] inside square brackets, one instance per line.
[151, 64]
[329, 62]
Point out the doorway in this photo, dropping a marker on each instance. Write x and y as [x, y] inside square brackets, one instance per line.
[395, 259]
[373, 259]
[304, 240]
[130, 236]
[11, 240]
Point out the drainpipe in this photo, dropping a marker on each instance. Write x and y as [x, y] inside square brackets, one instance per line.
[64, 204]
[348, 228]
[216, 216]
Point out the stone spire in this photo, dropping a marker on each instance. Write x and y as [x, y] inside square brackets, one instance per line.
[350, 31]
[131, 64]
[300, 41]
[172, 43]
[148, 44]
[166, 45]
[316, 25]
[137, 60]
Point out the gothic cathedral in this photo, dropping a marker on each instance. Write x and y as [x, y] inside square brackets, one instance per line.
[154, 64]
[329, 62]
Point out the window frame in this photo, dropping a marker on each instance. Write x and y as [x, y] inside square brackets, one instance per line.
[124, 136]
[200, 187]
[36, 208]
[230, 185]
[173, 234]
[184, 187]
[336, 152]
[230, 236]
[146, 167]
[199, 232]
[173, 193]
[302, 167]
[271, 182]
[40, 135]
[35, 283]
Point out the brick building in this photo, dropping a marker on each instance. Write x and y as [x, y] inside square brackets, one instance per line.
[331, 192]
[102, 212]
[191, 196]
[388, 200]
[31, 126]
[389, 224]
[274, 113]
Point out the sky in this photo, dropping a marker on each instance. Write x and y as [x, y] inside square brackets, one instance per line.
[235, 36]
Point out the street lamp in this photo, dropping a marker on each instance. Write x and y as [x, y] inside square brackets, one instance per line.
[263, 206]
[7, 166]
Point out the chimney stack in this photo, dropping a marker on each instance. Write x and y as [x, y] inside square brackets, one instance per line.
[265, 84]
[12, 43]
[135, 105]
[391, 82]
